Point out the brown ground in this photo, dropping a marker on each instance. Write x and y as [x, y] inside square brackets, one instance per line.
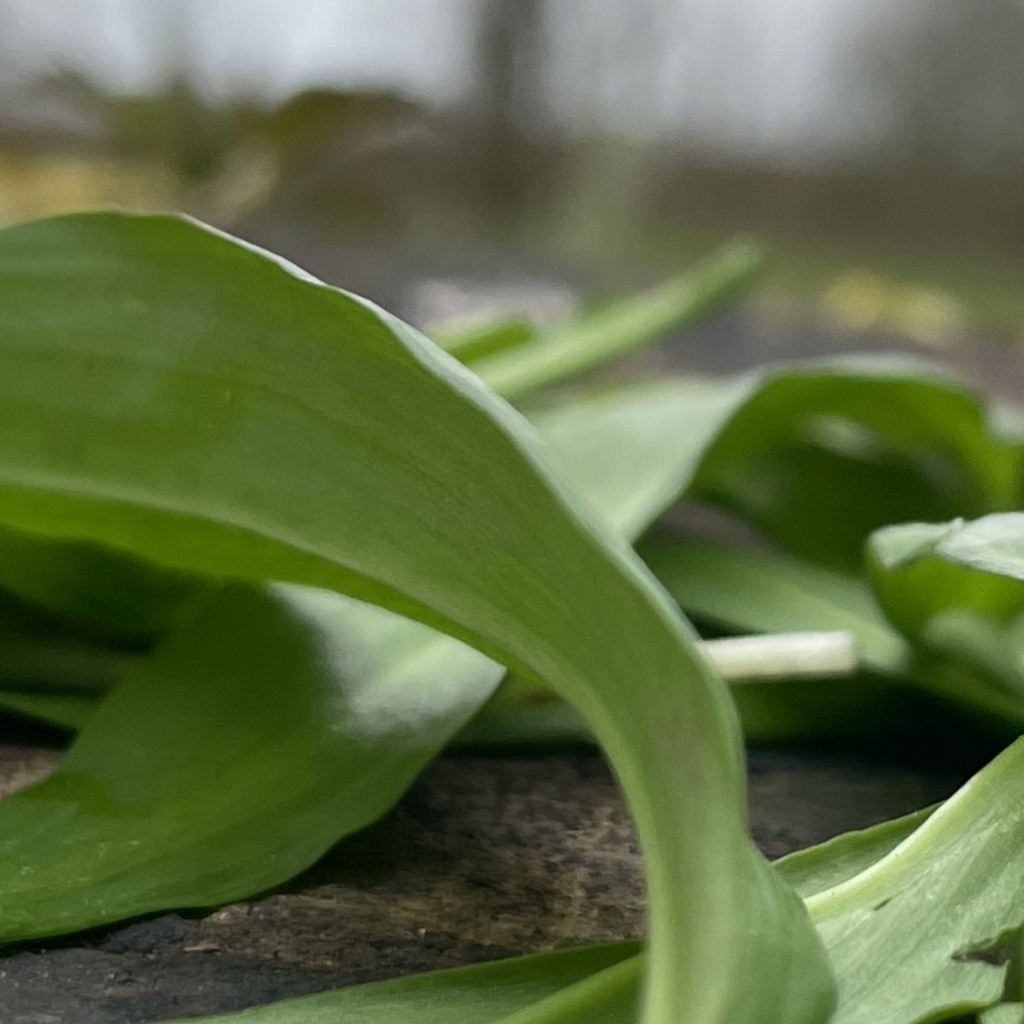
[484, 858]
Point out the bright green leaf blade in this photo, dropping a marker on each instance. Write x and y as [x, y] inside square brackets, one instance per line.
[65, 710]
[817, 455]
[822, 455]
[256, 736]
[993, 544]
[911, 936]
[957, 589]
[181, 397]
[768, 592]
[822, 867]
[631, 452]
[481, 994]
[1004, 1013]
[595, 338]
[914, 581]
[488, 340]
[114, 595]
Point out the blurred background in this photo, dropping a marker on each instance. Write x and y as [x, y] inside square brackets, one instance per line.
[450, 158]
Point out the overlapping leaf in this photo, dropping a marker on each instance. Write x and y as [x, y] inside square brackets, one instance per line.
[596, 337]
[957, 590]
[173, 395]
[276, 721]
[916, 936]
[915, 913]
[595, 985]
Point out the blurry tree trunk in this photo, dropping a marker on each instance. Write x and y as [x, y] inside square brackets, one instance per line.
[510, 60]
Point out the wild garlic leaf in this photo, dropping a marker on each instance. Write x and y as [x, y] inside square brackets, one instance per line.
[770, 592]
[915, 581]
[619, 327]
[823, 867]
[173, 394]
[277, 720]
[823, 454]
[816, 455]
[918, 935]
[589, 985]
[957, 591]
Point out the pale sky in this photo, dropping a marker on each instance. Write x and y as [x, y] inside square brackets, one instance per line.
[758, 76]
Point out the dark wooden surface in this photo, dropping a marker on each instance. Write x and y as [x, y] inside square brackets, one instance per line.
[484, 858]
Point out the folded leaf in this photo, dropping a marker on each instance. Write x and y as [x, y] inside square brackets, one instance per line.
[915, 581]
[769, 592]
[823, 454]
[957, 590]
[175, 395]
[272, 724]
[823, 867]
[918, 934]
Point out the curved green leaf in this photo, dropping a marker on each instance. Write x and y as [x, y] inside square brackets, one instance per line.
[916, 935]
[596, 337]
[914, 580]
[273, 723]
[957, 590]
[115, 596]
[822, 455]
[769, 592]
[816, 455]
[590, 985]
[823, 867]
[190, 401]
[992, 544]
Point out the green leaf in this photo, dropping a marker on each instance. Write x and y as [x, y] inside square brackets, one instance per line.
[957, 590]
[478, 342]
[185, 399]
[914, 581]
[822, 455]
[768, 592]
[590, 985]
[1004, 1013]
[916, 935]
[272, 724]
[815, 455]
[622, 326]
[823, 867]
[114, 595]
[631, 452]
